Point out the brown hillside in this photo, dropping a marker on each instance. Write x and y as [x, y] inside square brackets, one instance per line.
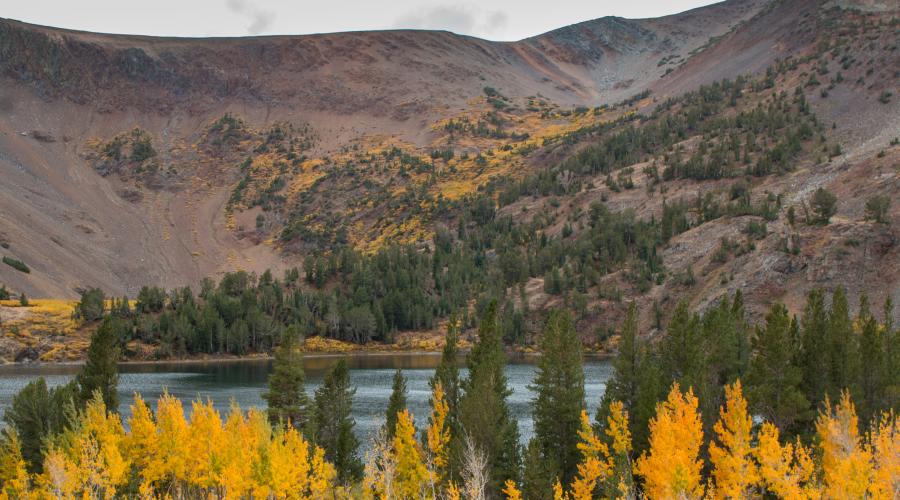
[332, 126]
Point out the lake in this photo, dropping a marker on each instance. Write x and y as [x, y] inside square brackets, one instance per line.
[243, 381]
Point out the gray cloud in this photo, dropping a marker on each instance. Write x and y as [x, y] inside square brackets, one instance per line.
[259, 20]
[465, 19]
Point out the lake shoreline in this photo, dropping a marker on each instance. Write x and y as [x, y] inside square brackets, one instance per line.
[214, 359]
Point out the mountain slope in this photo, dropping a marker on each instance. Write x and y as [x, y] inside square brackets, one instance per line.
[261, 151]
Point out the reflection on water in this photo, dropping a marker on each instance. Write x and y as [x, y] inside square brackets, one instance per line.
[244, 381]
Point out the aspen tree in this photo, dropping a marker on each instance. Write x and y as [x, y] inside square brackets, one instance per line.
[671, 468]
[731, 454]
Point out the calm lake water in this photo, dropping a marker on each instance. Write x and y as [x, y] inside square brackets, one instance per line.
[244, 381]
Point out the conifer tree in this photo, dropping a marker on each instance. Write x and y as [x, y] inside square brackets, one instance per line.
[396, 403]
[447, 372]
[100, 371]
[842, 347]
[892, 356]
[683, 349]
[814, 345]
[636, 382]
[446, 375]
[483, 411]
[559, 401]
[623, 386]
[873, 379]
[286, 397]
[773, 380]
[651, 388]
[334, 424]
[537, 473]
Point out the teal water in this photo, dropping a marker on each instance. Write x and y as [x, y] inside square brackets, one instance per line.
[244, 382]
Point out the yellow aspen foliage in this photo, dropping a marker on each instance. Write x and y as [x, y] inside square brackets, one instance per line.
[238, 449]
[322, 475]
[259, 438]
[170, 462]
[734, 471]
[786, 471]
[558, 492]
[412, 475]
[437, 437]
[205, 436]
[141, 444]
[60, 477]
[13, 475]
[594, 464]
[289, 461]
[884, 447]
[88, 460]
[453, 491]
[295, 473]
[620, 483]
[511, 491]
[617, 428]
[671, 469]
[846, 464]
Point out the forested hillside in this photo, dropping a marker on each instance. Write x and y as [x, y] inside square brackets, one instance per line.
[773, 180]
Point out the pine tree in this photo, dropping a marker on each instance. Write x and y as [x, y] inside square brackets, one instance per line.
[773, 380]
[286, 397]
[447, 376]
[559, 384]
[651, 388]
[814, 347]
[483, 411]
[623, 386]
[447, 373]
[396, 403]
[100, 371]
[892, 356]
[636, 382]
[683, 350]
[537, 473]
[873, 379]
[334, 424]
[842, 347]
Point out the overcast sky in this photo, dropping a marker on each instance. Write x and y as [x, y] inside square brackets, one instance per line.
[492, 19]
